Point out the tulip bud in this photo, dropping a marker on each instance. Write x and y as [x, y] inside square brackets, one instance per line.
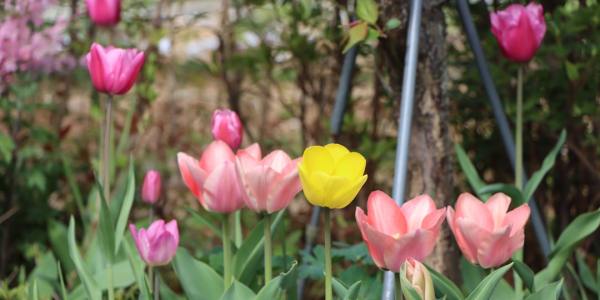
[420, 279]
[104, 12]
[519, 30]
[151, 187]
[227, 127]
[114, 70]
[158, 244]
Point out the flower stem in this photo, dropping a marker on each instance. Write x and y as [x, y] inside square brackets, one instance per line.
[227, 272]
[237, 235]
[519, 167]
[111, 292]
[399, 287]
[328, 273]
[106, 148]
[268, 248]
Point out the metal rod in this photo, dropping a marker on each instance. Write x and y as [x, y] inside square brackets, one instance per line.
[499, 115]
[343, 91]
[404, 123]
[311, 232]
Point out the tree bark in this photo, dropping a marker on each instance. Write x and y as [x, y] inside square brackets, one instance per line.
[431, 157]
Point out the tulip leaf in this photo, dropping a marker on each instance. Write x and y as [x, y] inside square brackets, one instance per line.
[469, 170]
[248, 258]
[486, 287]
[548, 292]
[525, 273]
[35, 291]
[57, 234]
[548, 163]
[444, 287]
[204, 221]
[353, 291]
[367, 10]
[582, 227]
[274, 289]
[91, 287]
[510, 190]
[339, 287]
[126, 205]
[238, 291]
[138, 270]
[198, 280]
[409, 292]
[587, 277]
[107, 233]
[61, 280]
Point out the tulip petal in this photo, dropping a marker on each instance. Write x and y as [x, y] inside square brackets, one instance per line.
[468, 251]
[156, 228]
[362, 221]
[317, 158]
[496, 249]
[256, 184]
[434, 220]
[498, 205]
[172, 228]
[470, 207]
[473, 236]
[344, 190]
[222, 191]
[416, 209]
[517, 218]
[312, 191]
[193, 176]
[276, 160]
[385, 215]
[352, 165]
[163, 249]
[215, 155]
[284, 191]
[336, 151]
[252, 150]
[330, 185]
[378, 244]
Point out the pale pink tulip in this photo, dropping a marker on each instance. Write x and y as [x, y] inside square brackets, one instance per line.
[227, 127]
[269, 184]
[213, 179]
[486, 234]
[158, 244]
[114, 70]
[104, 12]
[151, 187]
[394, 234]
[419, 277]
[519, 30]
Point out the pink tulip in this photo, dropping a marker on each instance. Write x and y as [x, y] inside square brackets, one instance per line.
[104, 12]
[486, 234]
[226, 126]
[269, 184]
[158, 244]
[519, 30]
[213, 179]
[114, 70]
[394, 234]
[151, 187]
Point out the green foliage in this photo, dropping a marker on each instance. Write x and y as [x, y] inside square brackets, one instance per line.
[487, 286]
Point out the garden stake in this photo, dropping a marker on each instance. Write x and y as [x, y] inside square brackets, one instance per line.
[404, 123]
[500, 116]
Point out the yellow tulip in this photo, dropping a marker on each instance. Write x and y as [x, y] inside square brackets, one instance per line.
[331, 175]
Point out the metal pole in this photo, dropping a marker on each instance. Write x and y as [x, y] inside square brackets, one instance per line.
[404, 123]
[344, 87]
[505, 130]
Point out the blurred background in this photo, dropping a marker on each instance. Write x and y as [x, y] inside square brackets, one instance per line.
[276, 63]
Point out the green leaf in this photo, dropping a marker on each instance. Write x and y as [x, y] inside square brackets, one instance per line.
[125, 208]
[572, 72]
[356, 34]
[510, 190]
[35, 291]
[57, 234]
[274, 289]
[409, 292]
[484, 290]
[392, 23]
[248, 258]
[107, 231]
[468, 169]
[61, 280]
[471, 274]
[205, 221]
[353, 291]
[583, 226]
[587, 277]
[444, 287]
[548, 292]
[525, 273]
[367, 11]
[238, 291]
[198, 280]
[339, 288]
[91, 287]
[137, 266]
[6, 147]
[548, 163]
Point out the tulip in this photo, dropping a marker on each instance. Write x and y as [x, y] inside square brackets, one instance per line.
[213, 179]
[394, 234]
[519, 30]
[420, 279]
[104, 12]
[486, 233]
[226, 126]
[151, 187]
[268, 184]
[331, 176]
[114, 70]
[158, 244]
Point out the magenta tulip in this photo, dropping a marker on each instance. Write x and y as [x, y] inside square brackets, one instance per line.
[395, 233]
[158, 244]
[519, 30]
[227, 127]
[151, 187]
[104, 12]
[485, 232]
[268, 184]
[213, 179]
[114, 70]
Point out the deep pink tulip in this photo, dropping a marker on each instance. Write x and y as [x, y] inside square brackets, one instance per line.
[114, 70]
[227, 127]
[213, 179]
[486, 234]
[158, 244]
[151, 187]
[269, 184]
[519, 30]
[395, 233]
[104, 12]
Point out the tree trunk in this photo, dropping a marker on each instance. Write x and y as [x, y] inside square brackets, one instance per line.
[431, 157]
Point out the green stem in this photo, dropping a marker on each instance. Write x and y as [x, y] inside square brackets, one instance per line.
[227, 272]
[519, 167]
[399, 287]
[268, 248]
[328, 273]
[106, 148]
[151, 277]
[111, 292]
[237, 235]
